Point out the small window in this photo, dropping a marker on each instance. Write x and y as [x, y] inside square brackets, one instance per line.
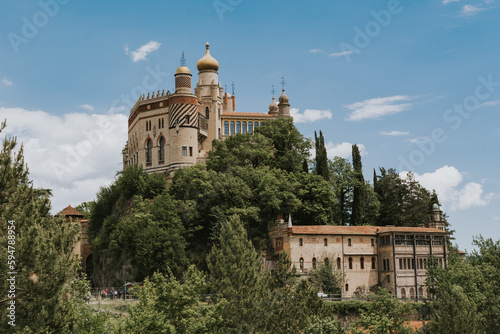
[384, 265]
[250, 127]
[400, 264]
[301, 242]
[149, 146]
[159, 123]
[349, 242]
[231, 125]
[301, 263]
[362, 263]
[256, 124]
[388, 278]
[346, 287]
[279, 244]
[373, 262]
[389, 265]
[162, 123]
[314, 263]
[243, 127]
[186, 119]
[373, 242]
[338, 263]
[403, 293]
[207, 112]
[325, 241]
[190, 151]
[238, 127]
[161, 149]
[350, 263]
[184, 151]
[226, 128]
[147, 126]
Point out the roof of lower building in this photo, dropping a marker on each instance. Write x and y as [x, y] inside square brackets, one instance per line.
[69, 211]
[360, 230]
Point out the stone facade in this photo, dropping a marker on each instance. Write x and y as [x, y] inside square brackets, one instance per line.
[167, 131]
[393, 257]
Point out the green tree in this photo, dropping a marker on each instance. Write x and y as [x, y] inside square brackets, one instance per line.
[235, 277]
[36, 246]
[328, 279]
[342, 181]
[359, 186]
[321, 156]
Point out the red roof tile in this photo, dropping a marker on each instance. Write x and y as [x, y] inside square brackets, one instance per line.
[69, 211]
[356, 230]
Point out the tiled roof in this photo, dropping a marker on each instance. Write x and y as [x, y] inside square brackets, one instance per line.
[358, 230]
[69, 211]
[247, 114]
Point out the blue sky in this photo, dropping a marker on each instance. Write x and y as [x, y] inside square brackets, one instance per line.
[416, 84]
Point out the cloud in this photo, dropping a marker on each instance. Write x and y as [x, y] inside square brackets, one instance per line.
[394, 133]
[470, 10]
[495, 219]
[445, 2]
[316, 51]
[142, 52]
[489, 104]
[447, 181]
[378, 107]
[343, 150]
[87, 107]
[310, 115]
[340, 54]
[7, 82]
[73, 154]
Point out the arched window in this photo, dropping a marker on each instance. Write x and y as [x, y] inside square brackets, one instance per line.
[256, 124]
[238, 127]
[301, 264]
[327, 262]
[207, 112]
[338, 263]
[149, 146]
[250, 127]
[231, 126]
[421, 293]
[350, 263]
[412, 293]
[362, 263]
[346, 287]
[161, 150]
[243, 127]
[403, 293]
[373, 262]
[314, 263]
[226, 128]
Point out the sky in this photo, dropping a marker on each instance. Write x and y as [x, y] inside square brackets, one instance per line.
[415, 84]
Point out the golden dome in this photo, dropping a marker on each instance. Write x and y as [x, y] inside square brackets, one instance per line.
[207, 63]
[183, 70]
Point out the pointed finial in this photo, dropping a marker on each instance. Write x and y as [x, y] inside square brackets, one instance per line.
[283, 83]
[289, 220]
[272, 90]
[207, 46]
[183, 59]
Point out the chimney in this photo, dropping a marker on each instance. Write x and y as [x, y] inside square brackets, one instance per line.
[234, 102]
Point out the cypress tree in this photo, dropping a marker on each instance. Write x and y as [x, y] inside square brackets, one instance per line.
[357, 205]
[321, 156]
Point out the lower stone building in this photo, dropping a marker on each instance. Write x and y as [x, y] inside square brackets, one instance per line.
[394, 258]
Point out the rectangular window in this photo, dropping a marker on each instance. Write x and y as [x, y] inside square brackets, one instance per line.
[301, 242]
[243, 127]
[226, 128]
[349, 242]
[186, 119]
[279, 244]
[190, 151]
[159, 123]
[184, 151]
[250, 127]
[238, 127]
[231, 127]
[373, 242]
[400, 264]
[384, 265]
[325, 241]
[388, 278]
[162, 123]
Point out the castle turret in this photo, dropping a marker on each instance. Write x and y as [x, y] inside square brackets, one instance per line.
[183, 78]
[284, 106]
[437, 220]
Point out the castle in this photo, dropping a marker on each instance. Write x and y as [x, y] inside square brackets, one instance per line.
[395, 258]
[168, 131]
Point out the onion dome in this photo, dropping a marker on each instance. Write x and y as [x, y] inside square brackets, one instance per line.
[273, 107]
[207, 63]
[183, 70]
[283, 98]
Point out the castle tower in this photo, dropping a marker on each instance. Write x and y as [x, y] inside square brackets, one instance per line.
[284, 106]
[209, 92]
[436, 218]
[273, 108]
[183, 78]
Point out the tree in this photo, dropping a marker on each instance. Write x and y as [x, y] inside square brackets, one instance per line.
[359, 185]
[342, 181]
[321, 156]
[37, 252]
[235, 277]
[328, 279]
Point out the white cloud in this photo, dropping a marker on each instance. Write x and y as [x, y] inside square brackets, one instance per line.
[445, 2]
[419, 140]
[310, 115]
[394, 133]
[87, 107]
[470, 10]
[73, 154]
[315, 51]
[495, 219]
[489, 104]
[447, 181]
[7, 82]
[343, 150]
[378, 107]
[142, 52]
[340, 54]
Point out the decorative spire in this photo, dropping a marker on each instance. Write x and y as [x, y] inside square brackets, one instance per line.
[232, 85]
[289, 220]
[183, 59]
[283, 83]
[273, 91]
